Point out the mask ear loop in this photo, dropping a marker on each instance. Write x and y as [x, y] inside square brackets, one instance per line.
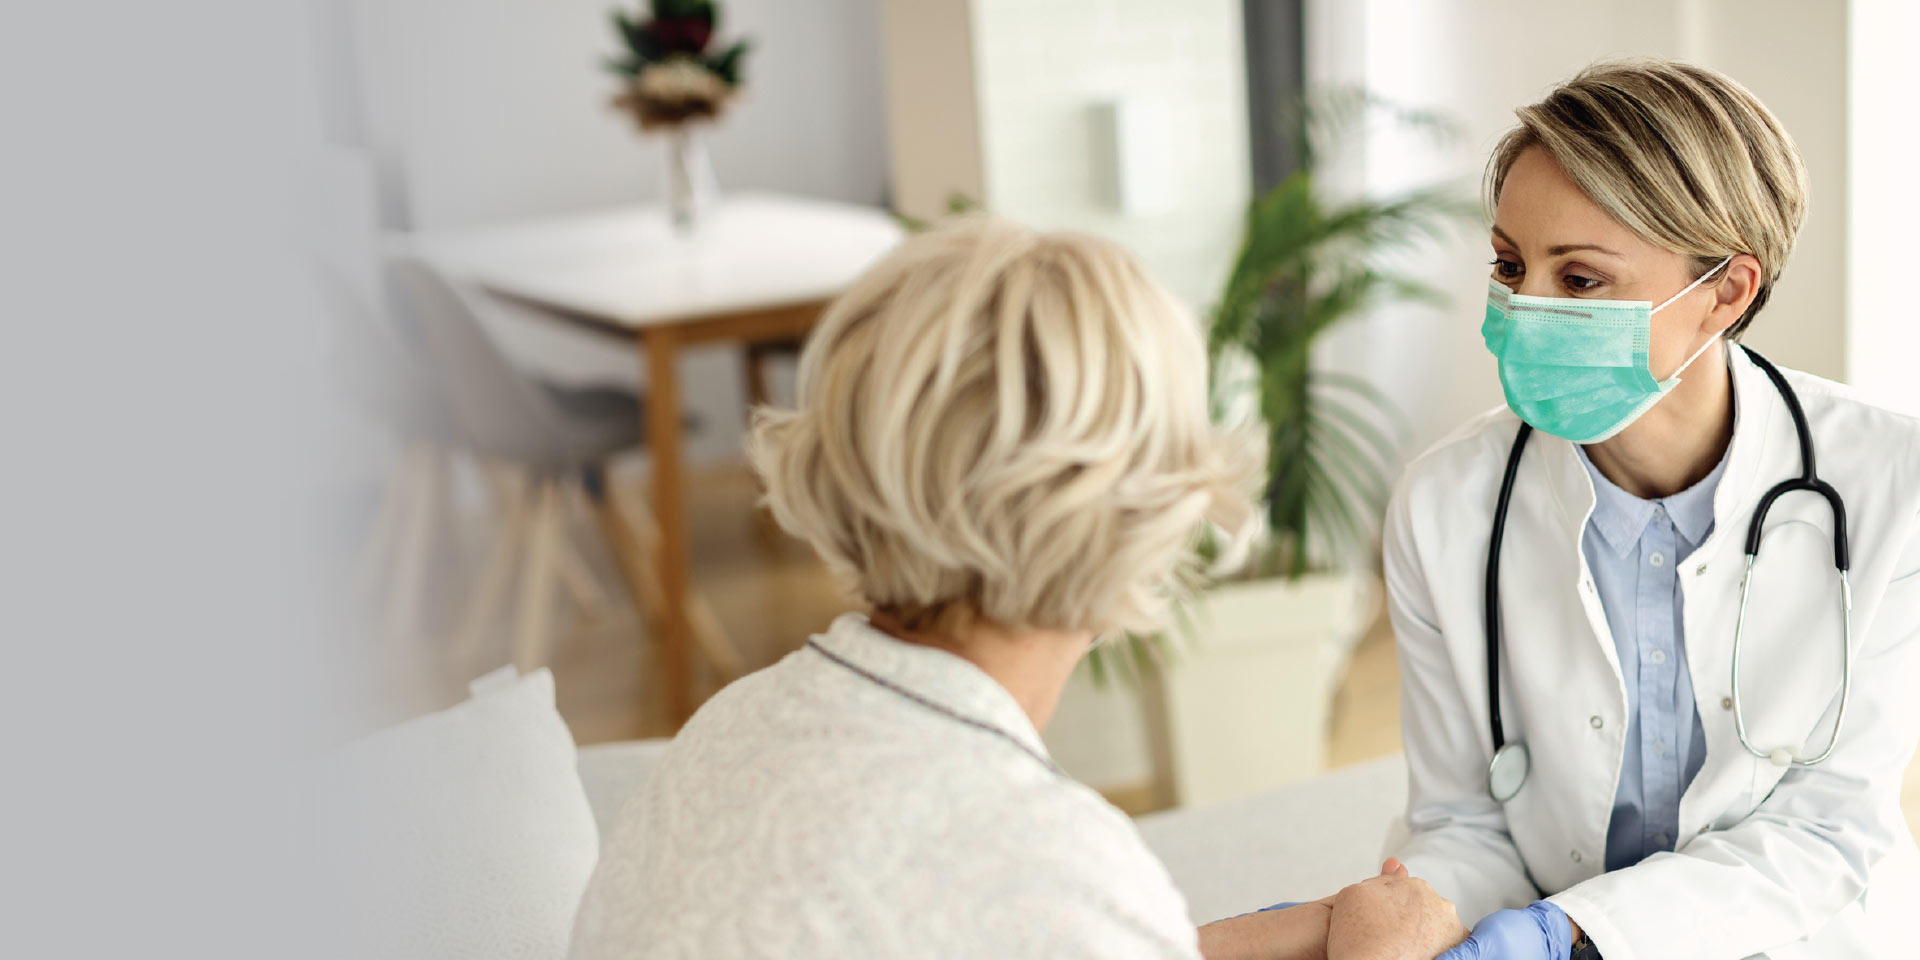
[1689, 289]
[1690, 286]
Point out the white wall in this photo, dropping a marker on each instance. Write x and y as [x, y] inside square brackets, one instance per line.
[483, 110]
[1478, 61]
[1041, 71]
[1883, 323]
[499, 109]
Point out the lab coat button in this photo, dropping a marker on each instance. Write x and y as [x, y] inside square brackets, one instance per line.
[1574, 855]
[1700, 571]
[1726, 703]
[1596, 721]
[1703, 829]
[1661, 839]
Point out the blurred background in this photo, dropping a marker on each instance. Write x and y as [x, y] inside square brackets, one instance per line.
[561, 274]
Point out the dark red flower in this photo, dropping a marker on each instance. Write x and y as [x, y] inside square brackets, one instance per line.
[681, 34]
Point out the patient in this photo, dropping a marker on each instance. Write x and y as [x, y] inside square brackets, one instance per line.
[1002, 443]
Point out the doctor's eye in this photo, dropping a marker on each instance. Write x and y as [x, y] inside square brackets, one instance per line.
[1578, 283]
[1507, 269]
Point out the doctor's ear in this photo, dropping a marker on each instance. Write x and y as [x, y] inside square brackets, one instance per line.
[1740, 281]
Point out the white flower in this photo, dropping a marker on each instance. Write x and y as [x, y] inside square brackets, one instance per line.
[681, 80]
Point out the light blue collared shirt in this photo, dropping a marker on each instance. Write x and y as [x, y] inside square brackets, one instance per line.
[1635, 548]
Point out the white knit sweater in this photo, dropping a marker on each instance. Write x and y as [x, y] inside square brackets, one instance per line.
[818, 809]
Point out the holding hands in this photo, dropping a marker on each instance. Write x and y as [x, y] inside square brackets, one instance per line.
[1392, 917]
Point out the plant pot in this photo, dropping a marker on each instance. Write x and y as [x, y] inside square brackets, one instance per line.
[1246, 705]
[1243, 705]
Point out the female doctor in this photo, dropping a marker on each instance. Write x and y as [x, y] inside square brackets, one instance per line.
[1642, 805]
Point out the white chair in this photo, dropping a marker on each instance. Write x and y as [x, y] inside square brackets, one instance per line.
[545, 450]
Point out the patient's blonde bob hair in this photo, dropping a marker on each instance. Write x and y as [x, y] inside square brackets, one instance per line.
[1683, 156]
[1002, 425]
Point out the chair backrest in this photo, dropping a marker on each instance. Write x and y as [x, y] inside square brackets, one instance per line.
[498, 408]
[379, 374]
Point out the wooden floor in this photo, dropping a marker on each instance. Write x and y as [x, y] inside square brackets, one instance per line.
[770, 594]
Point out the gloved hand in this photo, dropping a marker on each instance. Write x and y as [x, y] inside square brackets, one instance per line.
[1277, 906]
[1540, 932]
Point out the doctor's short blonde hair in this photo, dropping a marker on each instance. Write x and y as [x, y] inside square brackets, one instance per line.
[1683, 156]
[1004, 425]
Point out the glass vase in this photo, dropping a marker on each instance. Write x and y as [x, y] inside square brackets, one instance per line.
[691, 188]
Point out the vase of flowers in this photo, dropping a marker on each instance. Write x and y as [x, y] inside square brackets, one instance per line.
[673, 83]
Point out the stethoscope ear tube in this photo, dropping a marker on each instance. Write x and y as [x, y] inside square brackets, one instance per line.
[1809, 481]
[1756, 528]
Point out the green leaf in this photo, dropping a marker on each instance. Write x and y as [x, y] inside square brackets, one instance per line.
[1382, 404]
[1335, 409]
[1355, 475]
[1334, 526]
[727, 65]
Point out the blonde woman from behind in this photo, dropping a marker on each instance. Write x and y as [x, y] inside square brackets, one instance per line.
[1002, 443]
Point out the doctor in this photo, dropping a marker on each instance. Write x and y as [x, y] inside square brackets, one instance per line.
[1644, 806]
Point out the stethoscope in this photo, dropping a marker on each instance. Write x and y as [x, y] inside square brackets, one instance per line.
[1511, 763]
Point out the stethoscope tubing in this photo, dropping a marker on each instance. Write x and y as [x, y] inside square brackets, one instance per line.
[1808, 481]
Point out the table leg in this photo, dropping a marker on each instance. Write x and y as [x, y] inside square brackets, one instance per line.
[663, 442]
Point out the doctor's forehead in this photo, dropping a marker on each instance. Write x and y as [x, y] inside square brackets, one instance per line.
[1541, 210]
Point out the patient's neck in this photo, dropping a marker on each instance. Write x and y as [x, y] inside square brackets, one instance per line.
[1032, 664]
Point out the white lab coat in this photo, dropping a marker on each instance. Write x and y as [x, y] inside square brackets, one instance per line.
[1789, 863]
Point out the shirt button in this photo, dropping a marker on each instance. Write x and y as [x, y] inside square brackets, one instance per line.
[1659, 748]
[1596, 721]
[1574, 855]
[1726, 703]
[1659, 656]
[1658, 559]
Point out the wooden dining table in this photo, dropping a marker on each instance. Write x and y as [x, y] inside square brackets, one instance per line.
[759, 270]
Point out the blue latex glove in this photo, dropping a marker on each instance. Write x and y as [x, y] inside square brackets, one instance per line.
[1277, 906]
[1540, 932]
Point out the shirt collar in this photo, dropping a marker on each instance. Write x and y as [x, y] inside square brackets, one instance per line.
[1621, 517]
[942, 678]
[1763, 445]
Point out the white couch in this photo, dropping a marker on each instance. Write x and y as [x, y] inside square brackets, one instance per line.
[1299, 842]
[466, 833]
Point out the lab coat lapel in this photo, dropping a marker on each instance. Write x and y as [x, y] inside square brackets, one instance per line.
[1547, 588]
[1573, 494]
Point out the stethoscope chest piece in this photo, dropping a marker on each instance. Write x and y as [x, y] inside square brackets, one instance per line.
[1508, 771]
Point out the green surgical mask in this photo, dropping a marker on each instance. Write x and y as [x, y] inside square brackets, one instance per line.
[1578, 369]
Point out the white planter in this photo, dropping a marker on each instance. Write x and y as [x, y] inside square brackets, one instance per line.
[1245, 706]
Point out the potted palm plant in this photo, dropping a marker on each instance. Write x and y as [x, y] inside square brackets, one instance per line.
[1238, 694]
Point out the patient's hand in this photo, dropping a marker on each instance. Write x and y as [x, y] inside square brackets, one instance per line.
[1296, 931]
[1392, 917]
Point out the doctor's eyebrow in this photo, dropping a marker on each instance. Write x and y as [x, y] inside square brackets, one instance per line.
[1562, 249]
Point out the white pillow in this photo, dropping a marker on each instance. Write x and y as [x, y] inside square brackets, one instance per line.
[465, 833]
